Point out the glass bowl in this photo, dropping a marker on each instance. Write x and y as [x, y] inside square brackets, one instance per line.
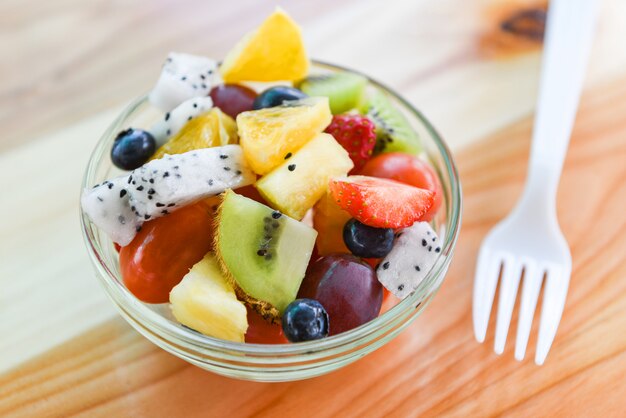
[280, 362]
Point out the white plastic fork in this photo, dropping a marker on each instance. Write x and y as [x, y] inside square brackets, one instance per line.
[529, 243]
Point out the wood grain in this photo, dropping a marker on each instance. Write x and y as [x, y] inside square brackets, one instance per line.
[429, 63]
[435, 368]
[71, 65]
[71, 59]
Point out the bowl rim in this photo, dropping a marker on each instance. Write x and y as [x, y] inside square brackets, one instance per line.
[142, 313]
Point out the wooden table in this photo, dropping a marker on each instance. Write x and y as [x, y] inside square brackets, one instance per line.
[69, 65]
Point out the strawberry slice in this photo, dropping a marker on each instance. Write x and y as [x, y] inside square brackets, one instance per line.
[381, 203]
[357, 135]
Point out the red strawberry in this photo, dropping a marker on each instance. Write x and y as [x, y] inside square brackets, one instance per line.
[357, 134]
[381, 203]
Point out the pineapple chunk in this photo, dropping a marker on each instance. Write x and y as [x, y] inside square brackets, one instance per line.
[206, 302]
[273, 52]
[268, 135]
[211, 129]
[295, 186]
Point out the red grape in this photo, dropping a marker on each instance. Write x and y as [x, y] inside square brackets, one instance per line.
[347, 288]
[233, 99]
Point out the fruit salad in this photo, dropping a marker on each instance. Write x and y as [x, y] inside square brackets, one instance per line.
[269, 204]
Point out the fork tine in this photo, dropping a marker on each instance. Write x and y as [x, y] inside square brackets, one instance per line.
[533, 277]
[485, 281]
[511, 272]
[557, 281]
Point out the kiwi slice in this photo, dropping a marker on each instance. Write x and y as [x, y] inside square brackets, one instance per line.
[263, 253]
[393, 131]
[344, 90]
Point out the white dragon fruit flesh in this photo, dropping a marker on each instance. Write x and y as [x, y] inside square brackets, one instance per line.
[414, 252]
[183, 76]
[121, 205]
[107, 205]
[174, 120]
[161, 185]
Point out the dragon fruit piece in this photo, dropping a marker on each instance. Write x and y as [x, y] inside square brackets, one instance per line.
[174, 121]
[107, 205]
[120, 206]
[163, 185]
[413, 255]
[183, 76]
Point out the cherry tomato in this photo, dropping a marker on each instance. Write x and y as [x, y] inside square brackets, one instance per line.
[389, 301]
[164, 251]
[407, 169]
[374, 263]
[262, 332]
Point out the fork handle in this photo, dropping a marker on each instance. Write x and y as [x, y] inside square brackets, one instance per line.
[568, 41]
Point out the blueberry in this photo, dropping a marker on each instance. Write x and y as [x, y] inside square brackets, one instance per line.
[366, 241]
[132, 148]
[305, 320]
[275, 96]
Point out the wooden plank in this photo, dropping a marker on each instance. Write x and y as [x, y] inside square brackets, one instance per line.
[71, 59]
[78, 80]
[98, 53]
[435, 368]
[49, 293]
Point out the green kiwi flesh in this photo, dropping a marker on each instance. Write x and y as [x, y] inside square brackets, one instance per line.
[344, 90]
[263, 253]
[393, 131]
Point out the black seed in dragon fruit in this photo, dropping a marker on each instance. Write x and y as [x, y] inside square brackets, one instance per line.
[173, 121]
[163, 185]
[183, 76]
[107, 205]
[414, 252]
